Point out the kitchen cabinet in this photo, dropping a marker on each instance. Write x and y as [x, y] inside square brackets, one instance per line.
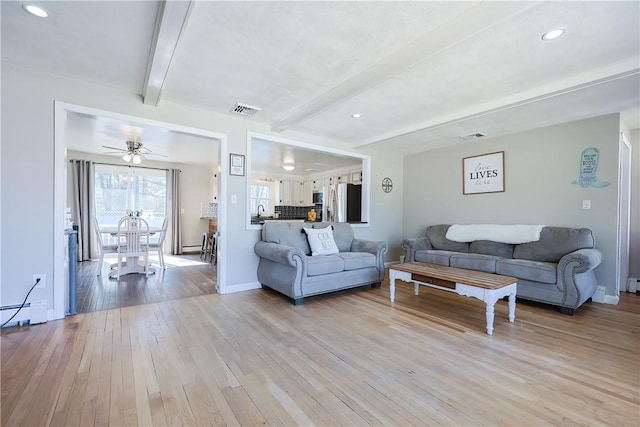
[214, 188]
[307, 192]
[293, 193]
[356, 177]
[284, 193]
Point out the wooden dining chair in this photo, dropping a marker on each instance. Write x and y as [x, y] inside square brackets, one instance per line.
[105, 248]
[158, 245]
[136, 241]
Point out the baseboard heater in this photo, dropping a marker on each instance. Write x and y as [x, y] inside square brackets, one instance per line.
[33, 312]
[191, 249]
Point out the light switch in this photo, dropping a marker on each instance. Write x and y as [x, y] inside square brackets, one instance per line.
[586, 204]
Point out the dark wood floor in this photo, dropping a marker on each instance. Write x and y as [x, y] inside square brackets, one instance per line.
[184, 276]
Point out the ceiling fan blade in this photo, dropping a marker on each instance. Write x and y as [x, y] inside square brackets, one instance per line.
[153, 154]
[115, 148]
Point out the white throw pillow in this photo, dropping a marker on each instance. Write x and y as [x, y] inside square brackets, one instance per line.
[321, 241]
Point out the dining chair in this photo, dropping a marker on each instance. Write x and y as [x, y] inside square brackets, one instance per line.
[135, 231]
[158, 245]
[105, 248]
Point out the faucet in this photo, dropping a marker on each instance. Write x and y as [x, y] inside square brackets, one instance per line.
[260, 206]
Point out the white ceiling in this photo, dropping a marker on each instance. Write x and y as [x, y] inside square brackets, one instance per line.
[420, 73]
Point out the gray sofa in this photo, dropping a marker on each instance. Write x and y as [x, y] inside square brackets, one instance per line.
[286, 264]
[557, 269]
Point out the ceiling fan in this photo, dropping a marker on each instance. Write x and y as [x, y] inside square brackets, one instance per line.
[134, 151]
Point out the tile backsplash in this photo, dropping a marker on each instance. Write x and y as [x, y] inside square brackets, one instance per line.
[295, 212]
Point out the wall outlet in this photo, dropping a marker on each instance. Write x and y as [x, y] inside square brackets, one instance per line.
[43, 280]
[586, 204]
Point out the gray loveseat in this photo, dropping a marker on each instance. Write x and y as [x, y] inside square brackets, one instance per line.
[286, 264]
[557, 269]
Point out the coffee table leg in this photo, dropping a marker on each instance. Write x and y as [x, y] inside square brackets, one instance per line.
[512, 307]
[490, 314]
[392, 284]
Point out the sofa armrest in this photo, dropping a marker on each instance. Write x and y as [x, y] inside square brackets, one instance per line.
[410, 247]
[281, 254]
[576, 278]
[581, 261]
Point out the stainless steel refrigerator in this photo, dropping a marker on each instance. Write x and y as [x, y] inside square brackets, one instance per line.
[344, 203]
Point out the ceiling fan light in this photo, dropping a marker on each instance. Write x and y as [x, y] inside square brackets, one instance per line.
[288, 166]
[127, 157]
[137, 159]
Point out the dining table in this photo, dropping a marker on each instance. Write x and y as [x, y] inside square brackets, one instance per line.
[132, 264]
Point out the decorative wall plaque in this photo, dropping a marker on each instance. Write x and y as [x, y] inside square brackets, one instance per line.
[588, 166]
[387, 185]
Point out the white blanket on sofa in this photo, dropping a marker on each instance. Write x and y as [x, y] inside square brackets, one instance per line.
[514, 234]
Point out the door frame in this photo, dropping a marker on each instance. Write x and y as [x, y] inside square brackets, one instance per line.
[624, 215]
[60, 263]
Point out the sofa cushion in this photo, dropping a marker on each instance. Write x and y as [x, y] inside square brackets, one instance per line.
[433, 256]
[286, 233]
[321, 241]
[536, 271]
[487, 247]
[357, 260]
[342, 234]
[436, 235]
[554, 243]
[479, 262]
[325, 264]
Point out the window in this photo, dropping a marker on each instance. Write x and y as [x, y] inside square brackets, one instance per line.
[122, 188]
[261, 193]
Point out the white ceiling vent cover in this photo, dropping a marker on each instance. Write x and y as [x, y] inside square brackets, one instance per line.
[473, 135]
[244, 110]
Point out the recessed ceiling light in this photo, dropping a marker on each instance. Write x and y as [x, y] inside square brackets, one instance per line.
[356, 115]
[35, 10]
[553, 34]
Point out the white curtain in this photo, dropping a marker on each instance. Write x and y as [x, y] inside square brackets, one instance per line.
[176, 219]
[83, 209]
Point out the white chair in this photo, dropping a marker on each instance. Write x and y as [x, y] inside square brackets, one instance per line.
[136, 242]
[158, 245]
[105, 248]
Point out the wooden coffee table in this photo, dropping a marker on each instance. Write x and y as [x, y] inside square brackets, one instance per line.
[484, 286]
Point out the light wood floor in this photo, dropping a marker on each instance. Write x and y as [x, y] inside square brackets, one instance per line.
[184, 276]
[352, 358]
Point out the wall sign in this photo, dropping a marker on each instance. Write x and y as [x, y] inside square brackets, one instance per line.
[236, 164]
[588, 165]
[483, 174]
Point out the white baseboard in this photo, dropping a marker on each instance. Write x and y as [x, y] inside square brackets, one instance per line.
[611, 299]
[632, 285]
[241, 287]
[599, 295]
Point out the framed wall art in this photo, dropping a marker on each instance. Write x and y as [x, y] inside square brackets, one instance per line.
[236, 164]
[483, 174]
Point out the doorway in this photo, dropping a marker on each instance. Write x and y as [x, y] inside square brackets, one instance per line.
[61, 261]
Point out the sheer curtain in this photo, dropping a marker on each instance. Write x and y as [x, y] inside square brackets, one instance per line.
[82, 208]
[176, 223]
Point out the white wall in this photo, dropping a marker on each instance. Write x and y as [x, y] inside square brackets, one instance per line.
[634, 240]
[195, 187]
[27, 187]
[539, 167]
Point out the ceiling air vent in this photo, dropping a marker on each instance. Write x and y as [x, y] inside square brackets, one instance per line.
[244, 110]
[473, 136]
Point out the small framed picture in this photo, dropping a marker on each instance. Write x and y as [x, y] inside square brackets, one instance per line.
[483, 174]
[236, 164]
